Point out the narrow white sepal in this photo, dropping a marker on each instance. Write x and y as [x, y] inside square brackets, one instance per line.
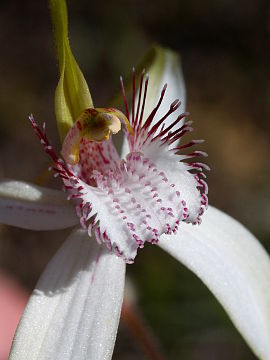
[170, 73]
[74, 311]
[34, 207]
[234, 266]
[164, 69]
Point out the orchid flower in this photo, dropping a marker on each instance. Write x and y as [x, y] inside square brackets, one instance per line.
[153, 193]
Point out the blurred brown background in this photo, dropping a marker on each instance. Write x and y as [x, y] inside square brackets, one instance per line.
[224, 47]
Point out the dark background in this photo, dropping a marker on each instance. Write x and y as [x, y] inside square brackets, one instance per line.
[224, 51]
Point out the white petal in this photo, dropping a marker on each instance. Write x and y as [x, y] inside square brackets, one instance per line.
[74, 311]
[235, 267]
[33, 207]
[177, 173]
[131, 206]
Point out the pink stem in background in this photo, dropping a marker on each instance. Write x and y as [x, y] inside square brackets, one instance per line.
[141, 332]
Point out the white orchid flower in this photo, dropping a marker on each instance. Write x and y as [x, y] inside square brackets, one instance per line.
[153, 193]
[74, 310]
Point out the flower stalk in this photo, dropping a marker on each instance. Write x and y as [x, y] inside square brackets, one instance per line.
[72, 95]
[141, 332]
